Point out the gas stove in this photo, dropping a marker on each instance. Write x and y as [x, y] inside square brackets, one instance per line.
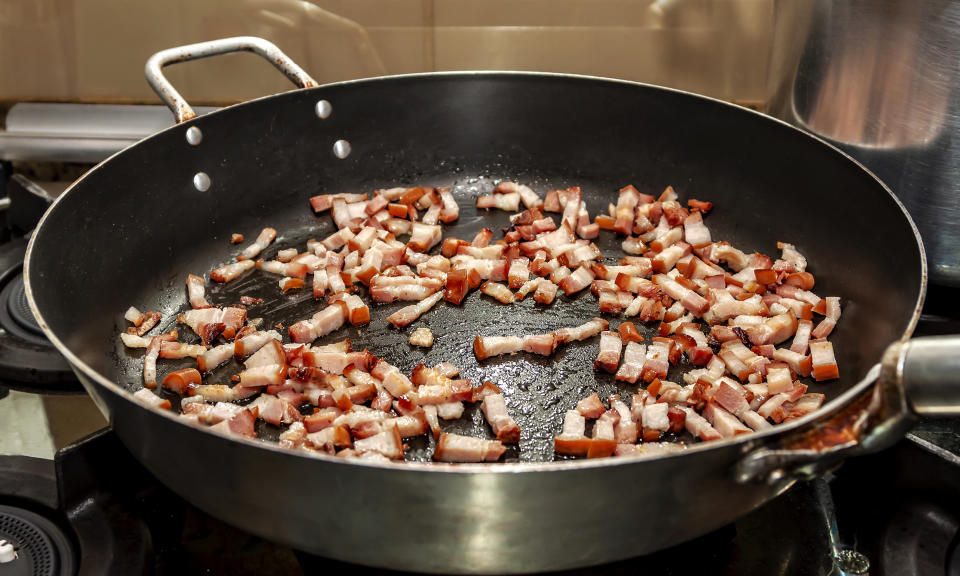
[93, 509]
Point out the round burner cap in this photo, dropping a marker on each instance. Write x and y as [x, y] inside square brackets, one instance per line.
[40, 546]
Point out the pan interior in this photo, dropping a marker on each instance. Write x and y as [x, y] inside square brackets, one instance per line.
[130, 231]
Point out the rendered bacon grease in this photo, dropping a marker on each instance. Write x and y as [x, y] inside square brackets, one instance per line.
[730, 313]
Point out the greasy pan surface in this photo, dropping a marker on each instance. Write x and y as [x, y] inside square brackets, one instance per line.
[130, 232]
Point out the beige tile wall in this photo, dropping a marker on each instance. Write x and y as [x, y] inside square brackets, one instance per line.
[95, 49]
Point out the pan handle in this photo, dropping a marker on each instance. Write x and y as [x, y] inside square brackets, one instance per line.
[918, 377]
[181, 110]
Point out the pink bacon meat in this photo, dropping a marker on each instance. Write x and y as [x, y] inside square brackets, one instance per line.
[266, 236]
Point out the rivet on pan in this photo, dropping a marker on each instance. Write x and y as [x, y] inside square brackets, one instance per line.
[194, 136]
[201, 181]
[341, 149]
[324, 109]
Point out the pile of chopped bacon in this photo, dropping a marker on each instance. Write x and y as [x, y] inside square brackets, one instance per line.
[335, 400]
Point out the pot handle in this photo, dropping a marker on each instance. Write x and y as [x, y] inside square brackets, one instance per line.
[181, 110]
[918, 377]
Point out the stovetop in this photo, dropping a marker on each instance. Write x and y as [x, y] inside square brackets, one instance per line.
[94, 510]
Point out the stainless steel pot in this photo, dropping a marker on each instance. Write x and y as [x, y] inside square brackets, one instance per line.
[880, 79]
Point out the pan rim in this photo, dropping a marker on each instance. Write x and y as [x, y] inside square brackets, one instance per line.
[745, 443]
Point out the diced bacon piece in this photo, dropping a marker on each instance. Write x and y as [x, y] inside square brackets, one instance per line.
[655, 416]
[236, 238]
[802, 337]
[529, 197]
[287, 284]
[798, 362]
[320, 324]
[626, 205]
[773, 330]
[293, 437]
[424, 237]
[633, 360]
[459, 283]
[577, 281]
[542, 344]
[778, 379]
[668, 258]
[509, 202]
[322, 418]
[274, 410]
[725, 306]
[241, 424]
[393, 380]
[791, 256]
[323, 202]
[546, 292]
[804, 405]
[150, 362]
[169, 349]
[286, 255]
[699, 426]
[263, 375]
[724, 422]
[134, 341]
[215, 356]
[633, 245]
[498, 292]
[422, 337]
[519, 272]
[695, 232]
[182, 381]
[448, 410]
[405, 316]
[388, 443]
[657, 362]
[338, 239]
[571, 440]
[667, 239]
[391, 289]
[625, 430]
[608, 357]
[591, 407]
[826, 325]
[231, 271]
[495, 410]
[485, 347]
[266, 236]
[430, 413]
[195, 292]
[223, 393]
[357, 311]
[690, 300]
[823, 363]
[529, 286]
[604, 436]
[319, 283]
[148, 398]
[628, 332]
[457, 448]
[329, 439]
[581, 332]
[208, 323]
[732, 396]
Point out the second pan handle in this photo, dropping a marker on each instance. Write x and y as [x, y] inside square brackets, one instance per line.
[181, 110]
[928, 370]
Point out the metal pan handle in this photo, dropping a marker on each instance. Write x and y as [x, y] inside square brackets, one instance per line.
[181, 110]
[918, 377]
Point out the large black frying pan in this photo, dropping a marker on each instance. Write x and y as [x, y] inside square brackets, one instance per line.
[130, 231]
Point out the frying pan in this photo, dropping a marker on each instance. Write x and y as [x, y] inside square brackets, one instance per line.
[130, 230]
